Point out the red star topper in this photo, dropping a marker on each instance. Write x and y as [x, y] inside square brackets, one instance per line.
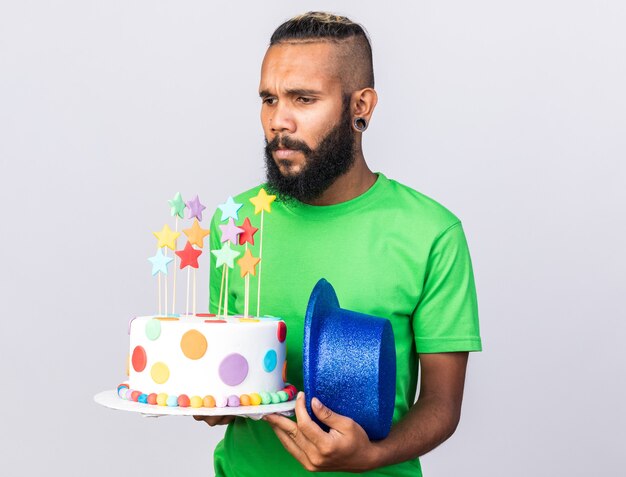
[248, 232]
[188, 256]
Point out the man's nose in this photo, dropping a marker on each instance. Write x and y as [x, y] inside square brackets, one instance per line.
[282, 120]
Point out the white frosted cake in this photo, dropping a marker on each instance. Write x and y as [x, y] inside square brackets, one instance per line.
[206, 361]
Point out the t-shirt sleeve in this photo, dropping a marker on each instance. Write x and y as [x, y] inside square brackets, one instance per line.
[446, 316]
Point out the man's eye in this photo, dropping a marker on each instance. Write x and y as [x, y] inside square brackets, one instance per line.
[269, 101]
[305, 100]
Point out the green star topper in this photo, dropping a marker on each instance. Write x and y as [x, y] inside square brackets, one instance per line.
[177, 205]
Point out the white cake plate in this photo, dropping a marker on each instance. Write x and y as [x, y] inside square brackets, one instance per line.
[111, 400]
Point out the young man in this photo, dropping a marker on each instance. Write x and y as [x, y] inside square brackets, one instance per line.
[388, 250]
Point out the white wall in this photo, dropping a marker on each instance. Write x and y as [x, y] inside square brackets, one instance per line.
[512, 114]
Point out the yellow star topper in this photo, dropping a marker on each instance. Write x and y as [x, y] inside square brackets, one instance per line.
[262, 201]
[167, 237]
[196, 234]
[248, 263]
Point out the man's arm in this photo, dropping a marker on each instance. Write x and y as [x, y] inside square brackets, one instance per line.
[435, 415]
[429, 422]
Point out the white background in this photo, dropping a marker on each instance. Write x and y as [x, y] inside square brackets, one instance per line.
[512, 114]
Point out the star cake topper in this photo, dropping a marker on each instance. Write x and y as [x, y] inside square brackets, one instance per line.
[196, 234]
[248, 263]
[225, 256]
[177, 206]
[230, 231]
[167, 237]
[248, 232]
[262, 202]
[229, 208]
[160, 263]
[188, 256]
[195, 208]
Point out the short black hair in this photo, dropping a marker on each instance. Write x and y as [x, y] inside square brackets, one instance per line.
[323, 26]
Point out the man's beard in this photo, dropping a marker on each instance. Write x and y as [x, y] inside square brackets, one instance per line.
[332, 158]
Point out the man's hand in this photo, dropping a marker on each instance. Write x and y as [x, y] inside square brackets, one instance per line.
[345, 447]
[215, 420]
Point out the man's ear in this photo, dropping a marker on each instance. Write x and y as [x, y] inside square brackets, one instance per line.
[362, 103]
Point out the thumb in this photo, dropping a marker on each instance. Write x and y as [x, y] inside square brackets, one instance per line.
[328, 417]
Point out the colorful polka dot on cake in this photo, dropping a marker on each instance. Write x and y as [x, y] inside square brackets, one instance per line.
[194, 344]
[139, 359]
[233, 369]
[233, 401]
[244, 399]
[269, 361]
[183, 400]
[160, 373]
[208, 401]
[281, 331]
[195, 402]
[161, 399]
[153, 329]
[172, 401]
[152, 398]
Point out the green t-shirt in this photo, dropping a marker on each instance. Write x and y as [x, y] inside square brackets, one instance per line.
[391, 252]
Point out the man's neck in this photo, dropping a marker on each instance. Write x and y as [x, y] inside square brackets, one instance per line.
[353, 183]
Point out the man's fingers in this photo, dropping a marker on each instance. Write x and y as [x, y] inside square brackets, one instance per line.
[291, 446]
[307, 426]
[285, 425]
[331, 419]
[215, 420]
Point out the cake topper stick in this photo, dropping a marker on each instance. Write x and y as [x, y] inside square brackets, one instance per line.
[219, 306]
[165, 289]
[167, 238]
[159, 267]
[194, 292]
[187, 309]
[159, 279]
[247, 264]
[226, 296]
[258, 291]
[262, 203]
[246, 290]
[225, 256]
[177, 209]
[246, 237]
[188, 258]
[175, 267]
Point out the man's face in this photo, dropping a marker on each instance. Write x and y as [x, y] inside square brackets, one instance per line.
[306, 119]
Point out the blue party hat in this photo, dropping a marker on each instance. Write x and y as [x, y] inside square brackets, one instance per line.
[349, 362]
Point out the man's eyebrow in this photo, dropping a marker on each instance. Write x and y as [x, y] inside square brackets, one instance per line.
[292, 92]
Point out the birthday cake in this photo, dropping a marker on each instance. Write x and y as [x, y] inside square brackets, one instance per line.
[191, 359]
[205, 361]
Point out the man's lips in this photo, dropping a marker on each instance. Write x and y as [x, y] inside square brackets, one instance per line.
[283, 153]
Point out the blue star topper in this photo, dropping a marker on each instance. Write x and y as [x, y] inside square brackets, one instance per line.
[160, 263]
[229, 209]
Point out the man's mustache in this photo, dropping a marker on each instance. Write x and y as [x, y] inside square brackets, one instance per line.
[288, 143]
